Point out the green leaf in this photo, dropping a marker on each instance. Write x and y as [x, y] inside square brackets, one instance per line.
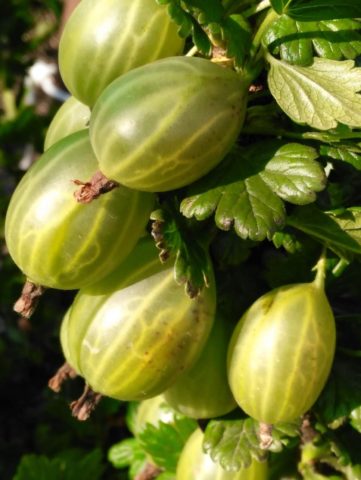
[320, 95]
[200, 39]
[38, 467]
[355, 418]
[166, 476]
[285, 38]
[63, 467]
[124, 453]
[349, 153]
[233, 443]
[340, 231]
[138, 465]
[236, 34]
[280, 5]
[297, 42]
[324, 9]
[288, 241]
[181, 18]
[208, 10]
[245, 191]
[173, 236]
[165, 442]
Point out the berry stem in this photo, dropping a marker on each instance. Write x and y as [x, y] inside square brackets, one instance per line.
[64, 373]
[83, 407]
[320, 268]
[28, 300]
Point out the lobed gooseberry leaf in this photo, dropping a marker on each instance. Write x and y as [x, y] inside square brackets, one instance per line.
[247, 189]
[297, 42]
[338, 230]
[129, 454]
[62, 467]
[307, 10]
[165, 441]
[349, 153]
[319, 95]
[207, 22]
[233, 443]
[174, 237]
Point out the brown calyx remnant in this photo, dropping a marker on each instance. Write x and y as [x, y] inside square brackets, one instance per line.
[98, 185]
[265, 435]
[158, 235]
[27, 302]
[149, 472]
[83, 407]
[65, 372]
[308, 433]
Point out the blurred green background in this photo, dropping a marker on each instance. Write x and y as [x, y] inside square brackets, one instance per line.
[39, 439]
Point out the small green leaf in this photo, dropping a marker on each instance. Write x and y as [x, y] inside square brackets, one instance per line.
[233, 443]
[124, 453]
[245, 191]
[349, 153]
[320, 95]
[138, 466]
[341, 232]
[286, 240]
[165, 442]
[324, 9]
[355, 418]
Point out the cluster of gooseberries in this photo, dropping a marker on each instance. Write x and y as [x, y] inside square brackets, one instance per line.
[145, 119]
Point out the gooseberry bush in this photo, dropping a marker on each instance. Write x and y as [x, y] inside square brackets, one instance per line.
[200, 189]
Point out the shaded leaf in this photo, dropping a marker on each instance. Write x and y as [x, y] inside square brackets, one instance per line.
[349, 153]
[320, 95]
[236, 34]
[342, 393]
[340, 231]
[245, 190]
[323, 9]
[209, 10]
[40, 467]
[280, 5]
[298, 42]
